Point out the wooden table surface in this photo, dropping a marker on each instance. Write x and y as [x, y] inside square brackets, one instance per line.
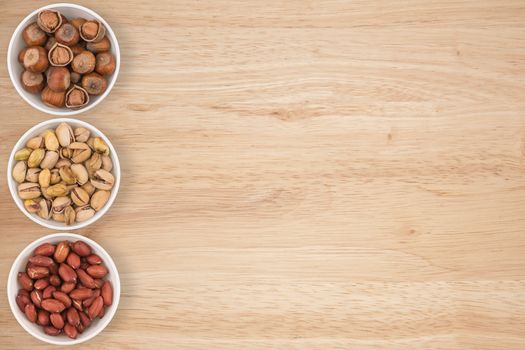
[304, 175]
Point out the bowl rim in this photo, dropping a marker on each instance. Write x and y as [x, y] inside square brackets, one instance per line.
[50, 223]
[102, 324]
[61, 112]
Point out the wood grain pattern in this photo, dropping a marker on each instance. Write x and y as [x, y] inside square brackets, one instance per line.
[305, 175]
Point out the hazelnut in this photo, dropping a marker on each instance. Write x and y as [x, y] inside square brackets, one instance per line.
[92, 31]
[76, 49]
[105, 63]
[76, 97]
[77, 22]
[35, 59]
[50, 43]
[94, 83]
[58, 79]
[75, 77]
[67, 34]
[53, 98]
[60, 55]
[49, 20]
[84, 62]
[101, 46]
[32, 82]
[21, 55]
[33, 35]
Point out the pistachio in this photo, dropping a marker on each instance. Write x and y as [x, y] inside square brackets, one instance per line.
[28, 190]
[36, 157]
[90, 143]
[67, 175]
[63, 162]
[65, 134]
[55, 177]
[81, 152]
[103, 180]
[58, 216]
[89, 188]
[51, 141]
[79, 196]
[32, 205]
[99, 199]
[44, 178]
[100, 146]
[19, 171]
[57, 190]
[80, 172]
[44, 193]
[60, 203]
[50, 160]
[23, 154]
[32, 174]
[71, 187]
[81, 134]
[84, 213]
[45, 209]
[35, 142]
[69, 215]
[107, 163]
[66, 153]
[94, 163]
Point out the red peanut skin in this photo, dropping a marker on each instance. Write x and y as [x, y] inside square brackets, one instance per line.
[49, 330]
[30, 311]
[81, 248]
[107, 293]
[57, 320]
[53, 305]
[95, 308]
[73, 260]
[45, 249]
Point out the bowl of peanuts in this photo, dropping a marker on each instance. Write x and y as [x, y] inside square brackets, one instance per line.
[63, 289]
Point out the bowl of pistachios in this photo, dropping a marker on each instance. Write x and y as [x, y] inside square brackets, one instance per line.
[63, 174]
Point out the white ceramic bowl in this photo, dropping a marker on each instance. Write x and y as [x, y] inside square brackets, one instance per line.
[37, 130]
[17, 44]
[35, 330]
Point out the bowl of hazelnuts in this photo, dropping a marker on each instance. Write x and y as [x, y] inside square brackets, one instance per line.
[63, 59]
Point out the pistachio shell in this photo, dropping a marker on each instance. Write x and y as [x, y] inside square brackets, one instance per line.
[60, 203]
[58, 216]
[66, 153]
[57, 190]
[93, 164]
[44, 178]
[79, 196]
[32, 174]
[67, 175]
[81, 134]
[29, 190]
[99, 199]
[90, 143]
[100, 146]
[81, 173]
[81, 152]
[51, 141]
[35, 142]
[107, 163]
[84, 213]
[65, 134]
[32, 205]
[89, 188]
[103, 180]
[45, 209]
[50, 160]
[23, 154]
[19, 171]
[63, 162]
[55, 177]
[69, 215]
[36, 157]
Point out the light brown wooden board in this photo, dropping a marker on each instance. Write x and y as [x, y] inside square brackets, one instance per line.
[305, 175]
